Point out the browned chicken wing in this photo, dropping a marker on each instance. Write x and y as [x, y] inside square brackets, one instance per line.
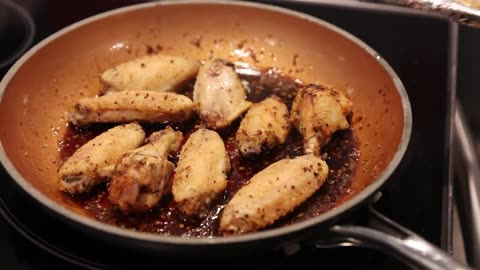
[219, 95]
[140, 176]
[201, 172]
[160, 73]
[127, 106]
[265, 125]
[272, 193]
[317, 112]
[88, 165]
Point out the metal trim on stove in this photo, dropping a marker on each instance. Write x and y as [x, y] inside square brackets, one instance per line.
[468, 186]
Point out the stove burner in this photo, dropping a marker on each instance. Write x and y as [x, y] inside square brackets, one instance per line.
[17, 31]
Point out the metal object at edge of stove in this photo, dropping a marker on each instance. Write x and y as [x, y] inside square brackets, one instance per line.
[468, 170]
[390, 237]
[455, 10]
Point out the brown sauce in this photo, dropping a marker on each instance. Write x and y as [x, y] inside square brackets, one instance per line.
[341, 156]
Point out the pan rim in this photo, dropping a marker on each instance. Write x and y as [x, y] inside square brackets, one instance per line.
[266, 234]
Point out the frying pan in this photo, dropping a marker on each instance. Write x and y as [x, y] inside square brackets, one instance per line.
[40, 88]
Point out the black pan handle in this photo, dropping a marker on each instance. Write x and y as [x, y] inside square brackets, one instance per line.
[386, 235]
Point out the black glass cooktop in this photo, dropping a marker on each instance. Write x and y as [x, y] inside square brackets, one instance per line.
[417, 196]
[17, 31]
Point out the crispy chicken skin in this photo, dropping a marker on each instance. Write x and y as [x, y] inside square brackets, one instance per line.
[201, 172]
[128, 106]
[160, 73]
[140, 175]
[272, 193]
[218, 94]
[317, 112]
[265, 125]
[85, 168]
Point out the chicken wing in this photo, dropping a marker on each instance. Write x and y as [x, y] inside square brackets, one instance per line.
[85, 168]
[317, 112]
[266, 124]
[128, 106]
[160, 73]
[140, 176]
[201, 172]
[219, 95]
[272, 193]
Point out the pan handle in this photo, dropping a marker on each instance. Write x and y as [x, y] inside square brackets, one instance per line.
[388, 236]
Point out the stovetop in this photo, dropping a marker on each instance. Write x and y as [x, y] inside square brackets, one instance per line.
[418, 196]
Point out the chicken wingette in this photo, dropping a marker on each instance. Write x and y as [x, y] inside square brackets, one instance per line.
[272, 193]
[201, 172]
[317, 112]
[86, 167]
[141, 175]
[264, 126]
[219, 95]
[160, 73]
[128, 106]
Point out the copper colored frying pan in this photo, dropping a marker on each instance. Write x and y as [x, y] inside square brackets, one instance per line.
[46, 81]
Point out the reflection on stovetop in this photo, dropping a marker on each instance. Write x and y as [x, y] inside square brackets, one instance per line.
[416, 47]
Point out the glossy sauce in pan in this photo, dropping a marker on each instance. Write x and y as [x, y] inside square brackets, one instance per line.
[341, 156]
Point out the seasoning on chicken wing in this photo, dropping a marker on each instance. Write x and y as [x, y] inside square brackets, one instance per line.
[85, 168]
[201, 172]
[317, 112]
[272, 193]
[219, 95]
[128, 106]
[140, 175]
[160, 73]
[266, 124]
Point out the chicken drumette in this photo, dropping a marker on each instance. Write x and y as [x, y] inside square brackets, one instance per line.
[127, 106]
[90, 164]
[272, 193]
[160, 73]
[265, 125]
[201, 172]
[140, 176]
[317, 112]
[219, 95]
